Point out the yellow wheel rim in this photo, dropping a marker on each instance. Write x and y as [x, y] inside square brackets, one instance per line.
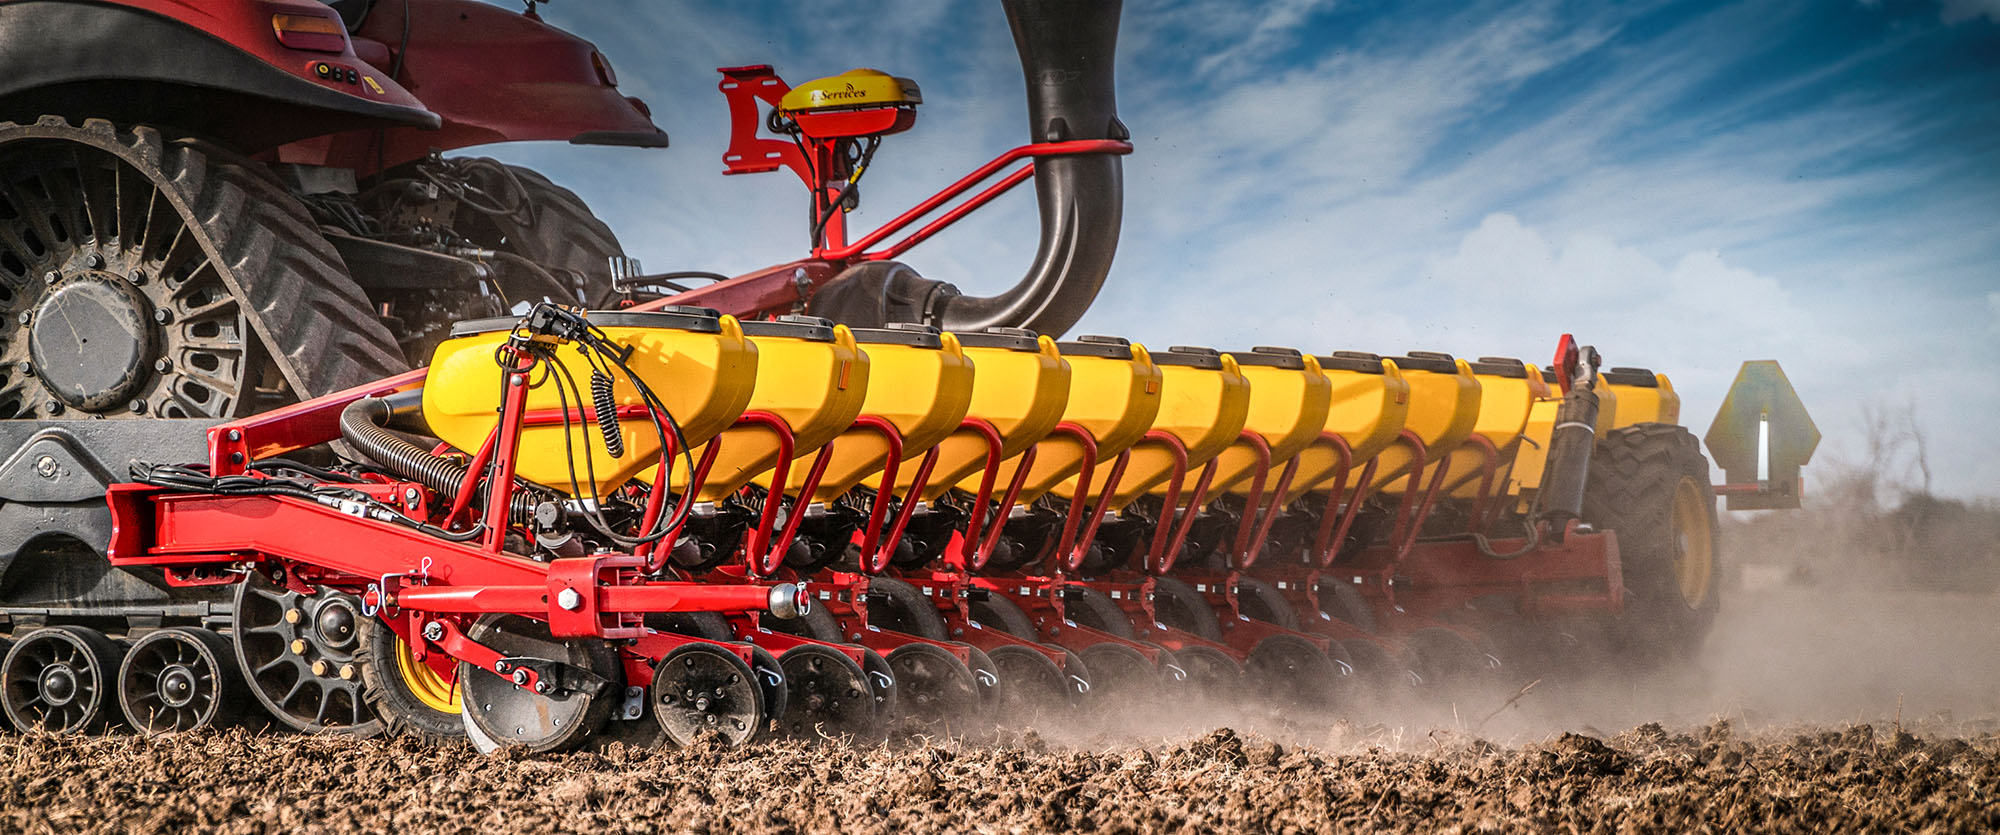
[1694, 542]
[430, 688]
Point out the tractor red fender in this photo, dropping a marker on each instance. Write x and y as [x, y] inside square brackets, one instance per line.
[219, 69]
[492, 75]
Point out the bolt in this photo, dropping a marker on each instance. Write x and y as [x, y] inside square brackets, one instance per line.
[27, 368]
[502, 667]
[298, 646]
[294, 615]
[319, 668]
[52, 276]
[162, 316]
[138, 277]
[347, 671]
[45, 466]
[410, 496]
[162, 366]
[433, 631]
[138, 407]
[93, 261]
[26, 317]
[53, 407]
[521, 678]
[235, 458]
[543, 688]
[569, 599]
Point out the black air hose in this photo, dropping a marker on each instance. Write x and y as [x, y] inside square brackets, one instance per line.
[363, 424]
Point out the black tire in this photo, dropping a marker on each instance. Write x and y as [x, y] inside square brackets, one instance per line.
[1649, 483]
[409, 698]
[221, 252]
[1261, 601]
[995, 611]
[556, 230]
[901, 607]
[1180, 606]
[708, 626]
[1091, 608]
[1121, 678]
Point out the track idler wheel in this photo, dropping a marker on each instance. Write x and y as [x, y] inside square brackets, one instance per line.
[936, 692]
[180, 679]
[703, 690]
[61, 679]
[1031, 684]
[825, 691]
[1291, 672]
[409, 695]
[299, 654]
[515, 716]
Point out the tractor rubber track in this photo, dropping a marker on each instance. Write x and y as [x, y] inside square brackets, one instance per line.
[315, 324]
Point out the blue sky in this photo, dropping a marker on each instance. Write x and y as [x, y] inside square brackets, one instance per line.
[1684, 185]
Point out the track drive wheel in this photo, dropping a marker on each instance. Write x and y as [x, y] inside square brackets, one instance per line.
[61, 679]
[935, 691]
[299, 654]
[701, 690]
[516, 716]
[1649, 482]
[143, 276]
[410, 696]
[180, 679]
[825, 691]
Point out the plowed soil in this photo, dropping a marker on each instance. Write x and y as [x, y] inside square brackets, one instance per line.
[1847, 780]
[1880, 719]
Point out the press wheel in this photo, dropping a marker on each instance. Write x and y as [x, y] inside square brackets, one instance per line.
[825, 691]
[702, 690]
[936, 691]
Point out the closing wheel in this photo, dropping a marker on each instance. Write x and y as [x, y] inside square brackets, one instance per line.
[1180, 606]
[1091, 608]
[825, 691]
[520, 717]
[61, 679]
[1375, 671]
[900, 607]
[1650, 484]
[1120, 675]
[1290, 671]
[180, 679]
[1030, 684]
[1261, 601]
[1213, 677]
[936, 691]
[298, 653]
[701, 690]
[1445, 663]
[995, 611]
[985, 674]
[409, 696]
[883, 685]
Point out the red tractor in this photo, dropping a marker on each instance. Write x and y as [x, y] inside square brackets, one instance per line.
[209, 208]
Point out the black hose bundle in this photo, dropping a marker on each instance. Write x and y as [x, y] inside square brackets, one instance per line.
[363, 423]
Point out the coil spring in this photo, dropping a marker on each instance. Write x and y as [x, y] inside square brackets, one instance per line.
[606, 405]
